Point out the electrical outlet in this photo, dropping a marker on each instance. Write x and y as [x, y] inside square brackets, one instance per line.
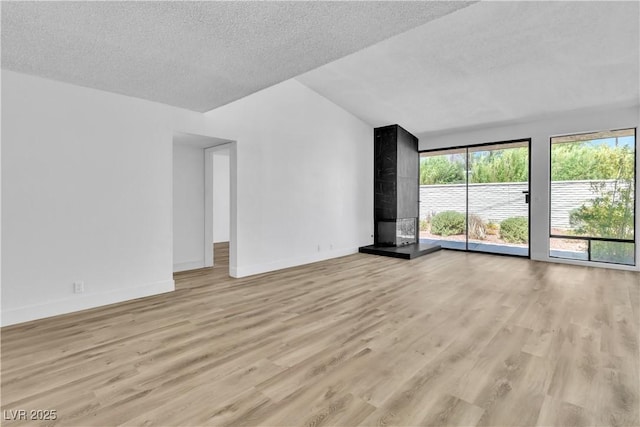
[78, 287]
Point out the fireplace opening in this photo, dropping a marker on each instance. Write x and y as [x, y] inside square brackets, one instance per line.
[397, 232]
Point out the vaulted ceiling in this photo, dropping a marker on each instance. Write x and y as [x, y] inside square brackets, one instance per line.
[196, 55]
[429, 66]
[492, 63]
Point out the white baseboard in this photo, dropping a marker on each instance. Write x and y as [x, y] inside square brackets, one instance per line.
[184, 266]
[244, 271]
[82, 302]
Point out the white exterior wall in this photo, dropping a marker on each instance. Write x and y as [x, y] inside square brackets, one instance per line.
[497, 202]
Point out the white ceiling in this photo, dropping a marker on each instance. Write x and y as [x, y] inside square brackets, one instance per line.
[492, 62]
[196, 55]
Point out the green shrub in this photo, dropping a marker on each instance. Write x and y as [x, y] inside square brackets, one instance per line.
[493, 228]
[616, 252]
[424, 225]
[448, 223]
[609, 214]
[515, 230]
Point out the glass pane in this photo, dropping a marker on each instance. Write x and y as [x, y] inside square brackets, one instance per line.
[593, 185]
[614, 252]
[569, 249]
[443, 198]
[498, 209]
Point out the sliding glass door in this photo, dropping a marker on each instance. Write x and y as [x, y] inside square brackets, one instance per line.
[443, 198]
[476, 198]
[498, 195]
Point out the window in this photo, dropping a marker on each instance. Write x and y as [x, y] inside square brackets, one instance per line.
[592, 205]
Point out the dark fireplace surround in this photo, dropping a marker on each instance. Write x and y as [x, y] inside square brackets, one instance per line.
[396, 189]
[395, 195]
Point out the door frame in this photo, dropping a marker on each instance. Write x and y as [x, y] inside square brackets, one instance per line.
[208, 205]
[485, 144]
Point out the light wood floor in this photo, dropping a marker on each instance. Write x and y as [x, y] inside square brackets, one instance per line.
[448, 339]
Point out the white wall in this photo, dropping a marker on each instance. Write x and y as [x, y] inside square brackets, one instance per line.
[221, 196]
[304, 177]
[86, 196]
[540, 131]
[188, 207]
[87, 189]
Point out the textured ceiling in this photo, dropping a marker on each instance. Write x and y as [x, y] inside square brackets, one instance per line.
[196, 55]
[492, 62]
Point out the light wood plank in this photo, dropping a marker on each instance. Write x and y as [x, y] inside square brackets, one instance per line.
[450, 339]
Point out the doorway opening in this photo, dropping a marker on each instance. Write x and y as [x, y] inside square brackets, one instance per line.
[217, 208]
[476, 198]
[196, 203]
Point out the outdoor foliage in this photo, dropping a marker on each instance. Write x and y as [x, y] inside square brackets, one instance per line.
[610, 212]
[515, 230]
[500, 166]
[440, 170]
[477, 227]
[583, 161]
[493, 166]
[621, 253]
[492, 228]
[448, 223]
[571, 161]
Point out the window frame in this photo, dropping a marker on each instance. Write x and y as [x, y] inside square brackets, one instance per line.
[598, 239]
[465, 149]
